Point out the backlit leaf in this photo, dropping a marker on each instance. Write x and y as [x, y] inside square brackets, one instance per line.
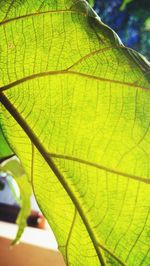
[5, 150]
[91, 2]
[75, 108]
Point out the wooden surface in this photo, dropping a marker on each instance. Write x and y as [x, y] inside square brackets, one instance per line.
[27, 255]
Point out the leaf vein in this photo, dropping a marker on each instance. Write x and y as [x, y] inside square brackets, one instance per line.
[13, 111]
[66, 72]
[104, 168]
[6, 21]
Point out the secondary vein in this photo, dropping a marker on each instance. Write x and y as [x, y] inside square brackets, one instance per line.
[99, 166]
[20, 120]
[69, 72]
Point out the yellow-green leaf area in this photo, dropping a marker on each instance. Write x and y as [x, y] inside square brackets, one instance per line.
[78, 103]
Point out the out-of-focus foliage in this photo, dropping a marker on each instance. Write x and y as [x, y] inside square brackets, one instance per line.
[130, 19]
[16, 174]
[91, 2]
[4, 148]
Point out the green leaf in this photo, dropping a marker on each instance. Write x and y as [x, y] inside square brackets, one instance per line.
[75, 108]
[147, 24]
[25, 192]
[5, 150]
[124, 4]
[91, 2]
[14, 168]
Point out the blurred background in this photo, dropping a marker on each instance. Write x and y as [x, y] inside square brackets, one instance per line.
[130, 19]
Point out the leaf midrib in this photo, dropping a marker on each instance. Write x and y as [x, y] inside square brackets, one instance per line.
[99, 166]
[92, 164]
[35, 141]
[13, 111]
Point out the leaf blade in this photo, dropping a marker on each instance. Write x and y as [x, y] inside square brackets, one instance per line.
[85, 112]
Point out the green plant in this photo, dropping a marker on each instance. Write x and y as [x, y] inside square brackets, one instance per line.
[75, 110]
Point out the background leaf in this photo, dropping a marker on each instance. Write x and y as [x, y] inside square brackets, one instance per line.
[5, 150]
[91, 2]
[124, 3]
[14, 169]
[78, 103]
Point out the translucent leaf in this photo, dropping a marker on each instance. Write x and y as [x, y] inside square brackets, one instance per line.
[5, 150]
[78, 103]
[91, 2]
[124, 4]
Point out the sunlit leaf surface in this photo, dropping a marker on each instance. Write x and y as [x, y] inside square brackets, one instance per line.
[75, 106]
